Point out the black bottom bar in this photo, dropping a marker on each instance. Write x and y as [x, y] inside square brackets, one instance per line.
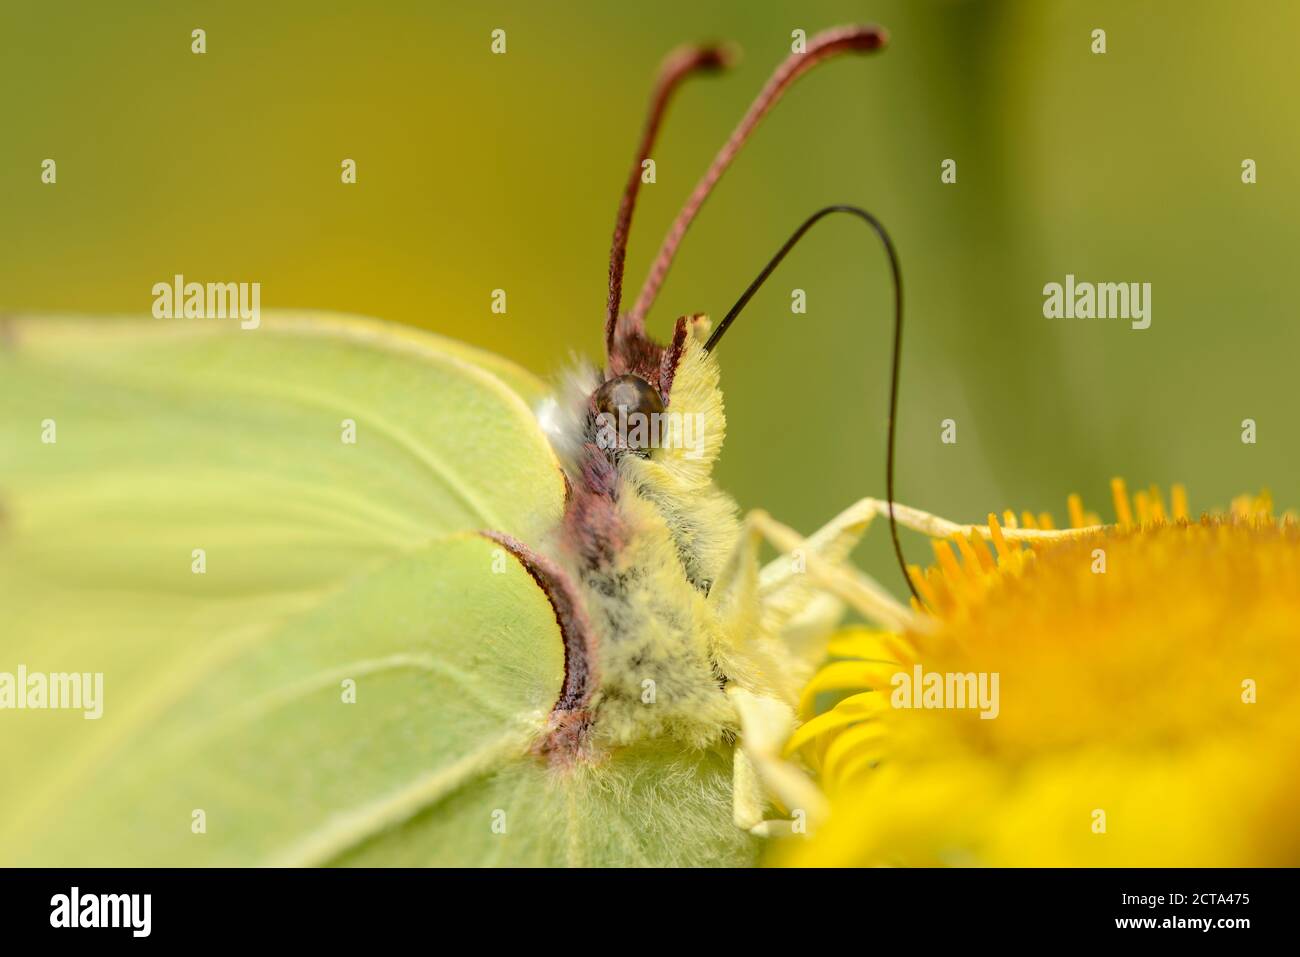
[335, 907]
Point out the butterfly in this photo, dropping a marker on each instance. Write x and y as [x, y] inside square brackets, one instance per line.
[361, 594]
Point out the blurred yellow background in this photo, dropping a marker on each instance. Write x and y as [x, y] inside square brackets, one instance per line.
[478, 171]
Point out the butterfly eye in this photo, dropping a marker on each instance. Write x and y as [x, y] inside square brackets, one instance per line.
[627, 410]
[629, 395]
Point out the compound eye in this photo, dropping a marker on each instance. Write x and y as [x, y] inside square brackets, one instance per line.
[629, 394]
[627, 410]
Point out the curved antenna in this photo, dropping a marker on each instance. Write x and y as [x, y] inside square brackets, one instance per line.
[677, 67]
[822, 47]
[895, 361]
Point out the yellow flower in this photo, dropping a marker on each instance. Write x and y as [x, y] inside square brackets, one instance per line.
[1147, 700]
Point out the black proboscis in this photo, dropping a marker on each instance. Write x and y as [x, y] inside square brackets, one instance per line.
[897, 353]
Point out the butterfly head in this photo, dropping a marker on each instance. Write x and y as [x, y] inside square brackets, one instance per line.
[651, 424]
[640, 374]
[659, 403]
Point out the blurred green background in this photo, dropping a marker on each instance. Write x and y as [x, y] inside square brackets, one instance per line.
[479, 171]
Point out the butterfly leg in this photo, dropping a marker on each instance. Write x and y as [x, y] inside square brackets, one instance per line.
[759, 770]
[820, 557]
[752, 602]
[819, 560]
[783, 593]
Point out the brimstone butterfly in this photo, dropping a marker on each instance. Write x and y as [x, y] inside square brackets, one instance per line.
[360, 594]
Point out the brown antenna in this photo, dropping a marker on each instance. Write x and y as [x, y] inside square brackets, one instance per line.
[679, 64]
[822, 47]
